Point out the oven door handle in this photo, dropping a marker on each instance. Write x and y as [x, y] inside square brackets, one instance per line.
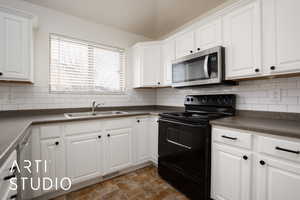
[206, 66]
[184, 124]
[178, 144]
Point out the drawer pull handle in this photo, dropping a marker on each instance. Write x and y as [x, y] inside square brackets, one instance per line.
[287, 150]
[178, 144]
[230, 138]
[9, 177]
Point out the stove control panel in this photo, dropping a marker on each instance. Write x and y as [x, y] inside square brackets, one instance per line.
[227, 100]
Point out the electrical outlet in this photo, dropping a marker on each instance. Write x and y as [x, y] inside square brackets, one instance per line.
[275, 94]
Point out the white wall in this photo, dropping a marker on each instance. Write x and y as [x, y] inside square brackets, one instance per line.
[20, 96]
[251, 95]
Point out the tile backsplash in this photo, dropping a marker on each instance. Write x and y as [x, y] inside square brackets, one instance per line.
[277, 95]
[25, 97]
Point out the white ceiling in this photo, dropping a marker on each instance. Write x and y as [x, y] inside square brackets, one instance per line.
[151, 18]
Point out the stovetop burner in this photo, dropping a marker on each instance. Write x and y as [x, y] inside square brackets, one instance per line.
[192, 116]
[204, 108]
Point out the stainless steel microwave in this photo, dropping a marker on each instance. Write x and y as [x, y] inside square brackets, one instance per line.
[202, 68]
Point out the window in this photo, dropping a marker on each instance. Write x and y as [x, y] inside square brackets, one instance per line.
[83, 67]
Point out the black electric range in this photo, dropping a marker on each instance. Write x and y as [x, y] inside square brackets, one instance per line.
[184, 148]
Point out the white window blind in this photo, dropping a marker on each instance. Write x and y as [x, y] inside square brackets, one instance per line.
[83, 67]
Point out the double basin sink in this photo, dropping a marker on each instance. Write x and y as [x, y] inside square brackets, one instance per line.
[94, 114]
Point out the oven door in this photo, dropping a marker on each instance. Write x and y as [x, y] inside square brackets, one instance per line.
[201, 68]
[185, 148]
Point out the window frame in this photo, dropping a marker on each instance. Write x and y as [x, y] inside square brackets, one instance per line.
[90, 44]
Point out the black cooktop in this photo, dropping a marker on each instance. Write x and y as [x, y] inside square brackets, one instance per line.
[192, 116]
[202, 108]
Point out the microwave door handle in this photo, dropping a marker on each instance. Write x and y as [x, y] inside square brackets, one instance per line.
[206, 67]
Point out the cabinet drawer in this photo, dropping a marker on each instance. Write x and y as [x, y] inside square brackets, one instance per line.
[82, 127]
[50, 131]
[280, 148]
[119, 123]
[236, 138]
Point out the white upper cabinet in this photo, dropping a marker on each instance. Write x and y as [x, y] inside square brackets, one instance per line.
[168, 55]
[281, 36]
[16, 46]
[208, 35]
[185, 44]
[242, 40]
[147, 64]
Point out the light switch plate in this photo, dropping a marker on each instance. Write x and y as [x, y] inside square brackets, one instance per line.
[275, 94]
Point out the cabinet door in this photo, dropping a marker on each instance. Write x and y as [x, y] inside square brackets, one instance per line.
[52, 151]
[153, 134]
[142, 139]
[136, 62]
[281, 35]
[84, 156]
[168, 55]
[278, 179]
[208, 36]
[151, 65]
[185, 44]
[118, 148]
[242, 39]
[231, 173]
[15, 50]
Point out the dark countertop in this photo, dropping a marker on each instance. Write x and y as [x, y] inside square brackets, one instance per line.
[13, 125]
[281, 127]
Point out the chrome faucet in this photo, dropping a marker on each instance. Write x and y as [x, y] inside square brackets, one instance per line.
[95, 105]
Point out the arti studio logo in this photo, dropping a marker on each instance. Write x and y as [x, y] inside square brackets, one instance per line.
[26, 171]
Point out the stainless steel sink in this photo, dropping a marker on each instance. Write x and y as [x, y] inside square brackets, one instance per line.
[94, 114]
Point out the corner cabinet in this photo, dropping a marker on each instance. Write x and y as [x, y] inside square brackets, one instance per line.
[16, 45]
[242, 40]
[147, 64]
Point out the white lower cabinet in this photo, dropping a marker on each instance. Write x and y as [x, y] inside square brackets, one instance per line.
[231, 172]
[118, 149]
[153, 139]
[84, 156]
[146, 139]
[86, 150]
[278, 179]
[142, 139]
[52, 151]
[268, 170]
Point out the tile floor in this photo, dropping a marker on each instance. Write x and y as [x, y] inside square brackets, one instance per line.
[138, 185]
